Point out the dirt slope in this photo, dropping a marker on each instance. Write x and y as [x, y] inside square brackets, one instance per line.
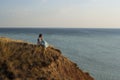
[24, 61]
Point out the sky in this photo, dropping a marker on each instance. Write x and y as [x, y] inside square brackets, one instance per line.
[60, 13]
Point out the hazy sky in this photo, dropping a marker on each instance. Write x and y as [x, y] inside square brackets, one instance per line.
[60, 13]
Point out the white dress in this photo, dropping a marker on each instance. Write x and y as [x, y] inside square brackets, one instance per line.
[43, 43]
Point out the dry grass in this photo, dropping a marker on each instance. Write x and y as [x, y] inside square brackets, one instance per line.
[23, 61]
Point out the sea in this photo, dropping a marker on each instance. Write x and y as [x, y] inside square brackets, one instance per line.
[96, 51]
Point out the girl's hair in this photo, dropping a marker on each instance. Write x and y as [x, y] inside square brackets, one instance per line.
[40, 35]
[38, 40]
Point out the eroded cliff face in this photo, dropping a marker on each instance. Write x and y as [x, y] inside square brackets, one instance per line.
[24, 61]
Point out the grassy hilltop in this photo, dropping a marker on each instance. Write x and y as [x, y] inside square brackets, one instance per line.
[24, 61]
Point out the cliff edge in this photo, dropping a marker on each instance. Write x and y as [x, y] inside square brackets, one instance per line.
[24, 61]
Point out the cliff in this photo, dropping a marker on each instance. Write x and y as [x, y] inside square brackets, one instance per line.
[24, 61]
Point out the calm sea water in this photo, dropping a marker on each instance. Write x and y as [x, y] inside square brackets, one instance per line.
[96, 51]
